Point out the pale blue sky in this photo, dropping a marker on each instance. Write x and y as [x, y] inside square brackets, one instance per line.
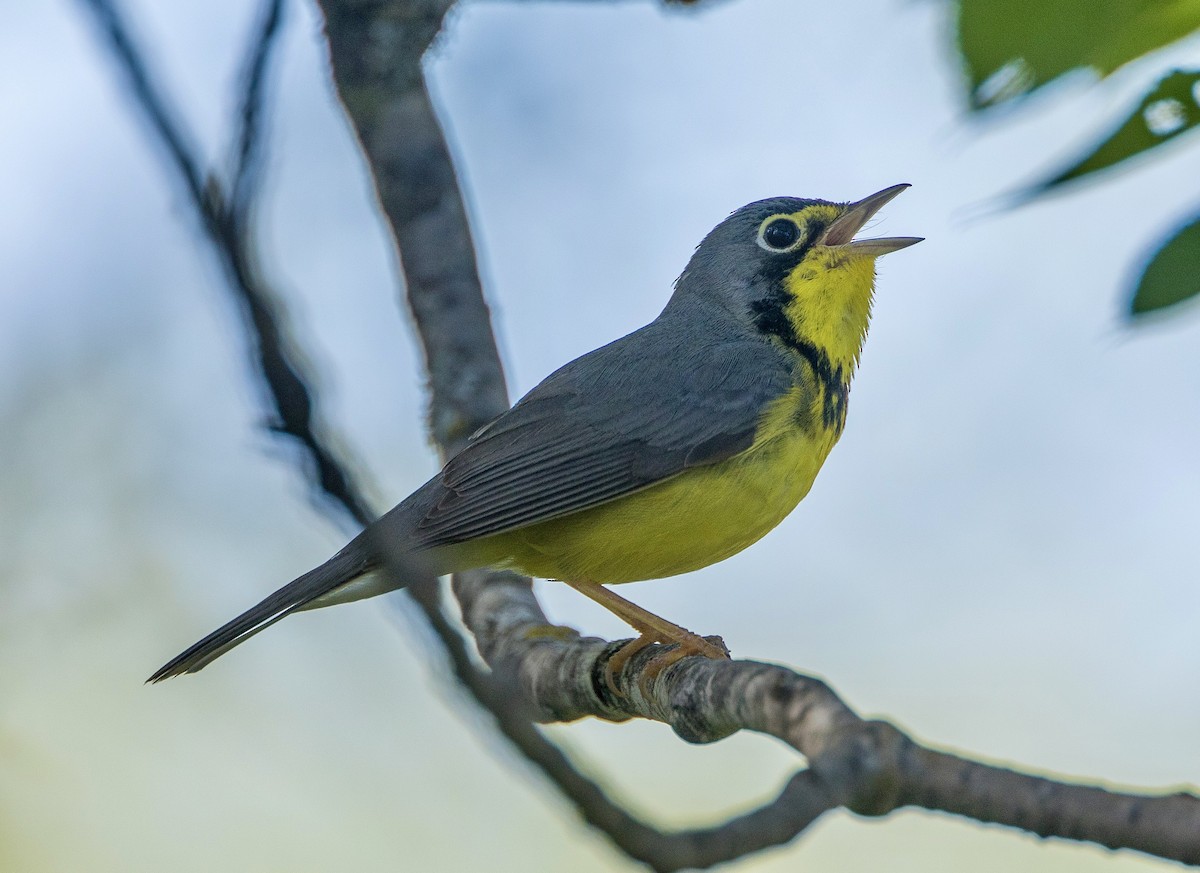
[1000, 555]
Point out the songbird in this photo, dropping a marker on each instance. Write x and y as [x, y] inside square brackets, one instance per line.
[665, 451]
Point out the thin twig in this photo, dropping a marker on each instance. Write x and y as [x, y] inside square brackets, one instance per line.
[167, 129]
[250, 139]
[277, 365]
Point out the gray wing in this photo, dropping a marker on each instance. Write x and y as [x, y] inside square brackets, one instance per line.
[633, 413]
[623, 417]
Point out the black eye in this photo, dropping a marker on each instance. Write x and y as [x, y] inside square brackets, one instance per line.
[781, 234]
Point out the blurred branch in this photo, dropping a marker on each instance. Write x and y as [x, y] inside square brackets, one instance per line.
[375, 48]
[168, 130]
[225, 212]
[250, 139]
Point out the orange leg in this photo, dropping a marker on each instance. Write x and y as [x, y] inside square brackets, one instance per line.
[651, 629]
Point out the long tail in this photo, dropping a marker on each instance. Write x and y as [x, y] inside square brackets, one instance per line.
[348, 564]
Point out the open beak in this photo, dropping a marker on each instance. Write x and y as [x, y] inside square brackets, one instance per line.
[841, 232]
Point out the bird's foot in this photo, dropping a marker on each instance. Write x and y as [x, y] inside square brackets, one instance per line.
[682, 646]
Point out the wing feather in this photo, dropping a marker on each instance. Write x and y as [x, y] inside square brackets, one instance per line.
[628, 415]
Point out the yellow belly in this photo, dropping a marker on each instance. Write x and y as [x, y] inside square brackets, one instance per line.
[690, 521]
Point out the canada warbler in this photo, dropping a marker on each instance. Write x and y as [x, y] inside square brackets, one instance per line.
[663, 452]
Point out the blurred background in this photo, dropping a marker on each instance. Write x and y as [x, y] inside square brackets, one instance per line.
[1000, 556]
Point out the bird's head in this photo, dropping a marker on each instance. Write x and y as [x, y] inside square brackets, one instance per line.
[793, 269]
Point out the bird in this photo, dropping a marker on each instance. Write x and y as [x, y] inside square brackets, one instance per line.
[667, 450]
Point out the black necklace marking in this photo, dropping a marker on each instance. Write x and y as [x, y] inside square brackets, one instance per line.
[771, 318]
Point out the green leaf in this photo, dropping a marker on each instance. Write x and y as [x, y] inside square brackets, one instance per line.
[1173, 274]
[1011, 47]
[1170, 109]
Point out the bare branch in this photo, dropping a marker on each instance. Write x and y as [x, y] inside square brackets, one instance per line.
[278, 365]
[250, 140]
[870, 767]
[156, 109]
[376, 48]
[802, 800]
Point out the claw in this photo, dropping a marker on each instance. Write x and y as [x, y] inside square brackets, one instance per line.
[651, 629]
[621, 657]
[693, 644]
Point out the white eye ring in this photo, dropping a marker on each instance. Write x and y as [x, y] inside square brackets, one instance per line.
[779, 234]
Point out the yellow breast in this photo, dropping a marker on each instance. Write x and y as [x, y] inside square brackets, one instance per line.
[694, 519]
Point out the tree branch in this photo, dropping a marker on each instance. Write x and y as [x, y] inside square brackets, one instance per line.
[375, 49]
[225, 208]
[870, 767]
[250, 139]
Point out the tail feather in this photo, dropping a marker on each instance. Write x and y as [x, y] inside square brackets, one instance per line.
[347, 565]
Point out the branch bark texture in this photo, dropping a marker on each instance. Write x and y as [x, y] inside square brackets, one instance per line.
[376, 48]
